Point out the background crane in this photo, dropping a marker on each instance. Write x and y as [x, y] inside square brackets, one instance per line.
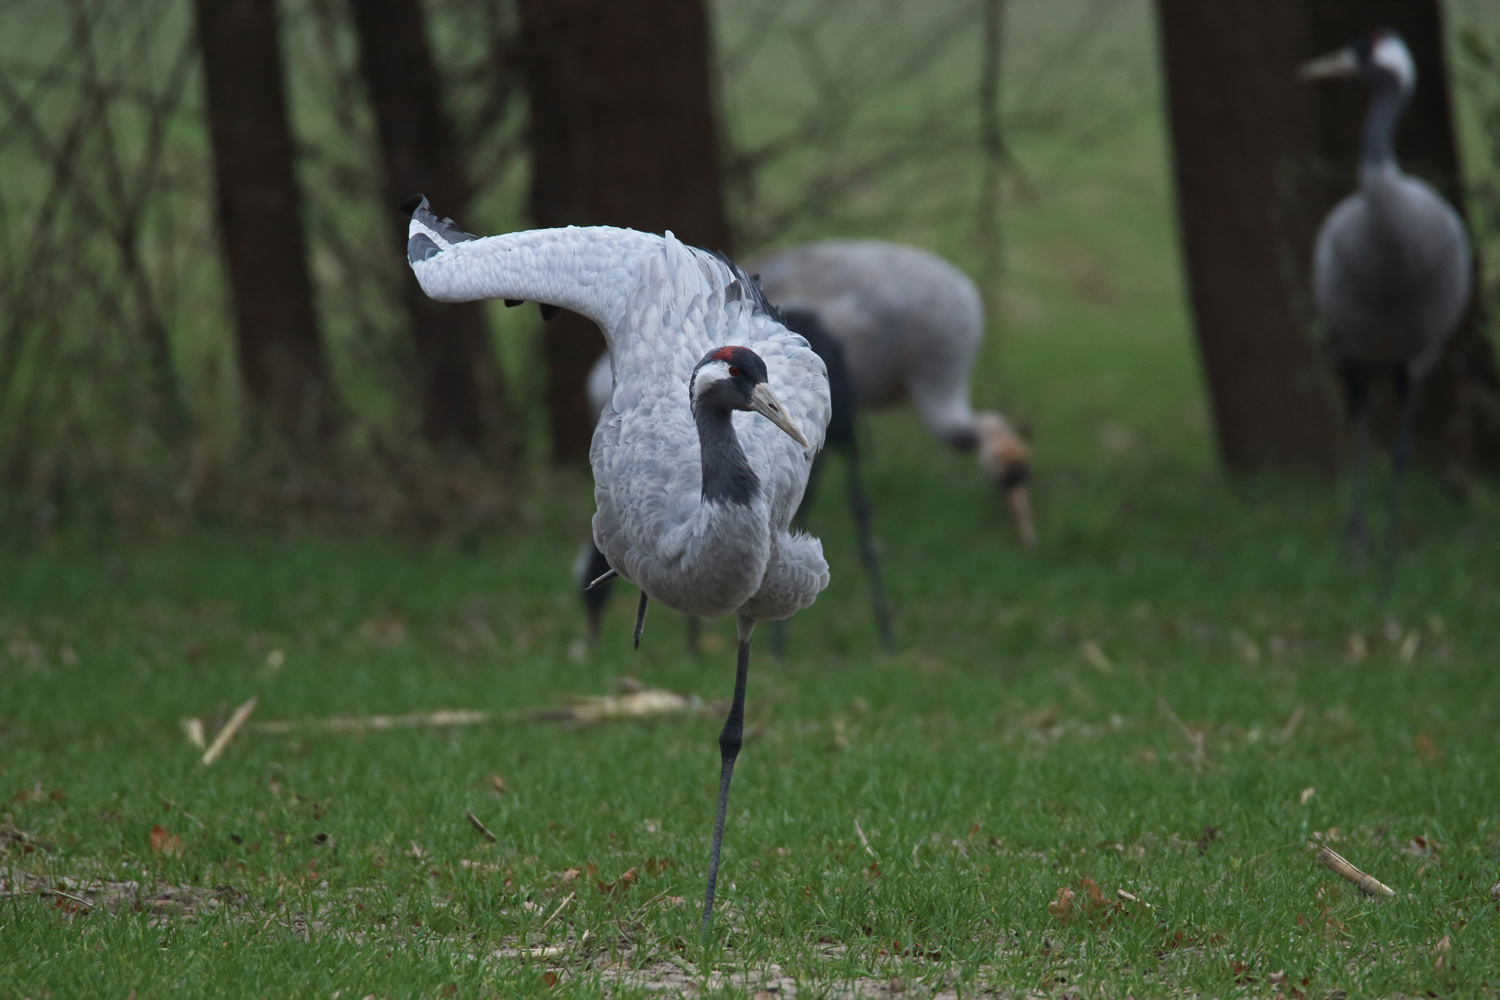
[696, 349]
[1391, 268]
[910, 324]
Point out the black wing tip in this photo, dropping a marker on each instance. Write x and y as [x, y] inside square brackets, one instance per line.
[410, 205]
[420, 247]
[750, 283]
[549, 312]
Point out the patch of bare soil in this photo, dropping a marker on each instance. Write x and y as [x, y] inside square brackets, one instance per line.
[79, 895]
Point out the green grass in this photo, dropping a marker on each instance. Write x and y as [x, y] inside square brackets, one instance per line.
[1230, 604]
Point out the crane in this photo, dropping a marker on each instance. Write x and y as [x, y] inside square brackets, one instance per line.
[702, 453]
[910, 324]
[591, 563]
[1391, 271]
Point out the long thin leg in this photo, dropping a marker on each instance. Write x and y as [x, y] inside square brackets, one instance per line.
[861, 510]
[695, 636]
[640, 619]
[1356, 389]
[1400, 457]
[731, 738]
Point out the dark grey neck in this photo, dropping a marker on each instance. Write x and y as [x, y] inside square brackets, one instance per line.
[1378, 148]
[727, 476]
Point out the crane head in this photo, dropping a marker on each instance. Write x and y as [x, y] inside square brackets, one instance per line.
[1005, 458]
[735, 378]
[1379, 55]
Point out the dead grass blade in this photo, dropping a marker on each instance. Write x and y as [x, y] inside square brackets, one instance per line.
[1368, 884]
[227, 733]
[440, 719]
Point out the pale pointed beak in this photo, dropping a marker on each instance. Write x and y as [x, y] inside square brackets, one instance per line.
[764, 402]
[1019, 499]
[1333, 66]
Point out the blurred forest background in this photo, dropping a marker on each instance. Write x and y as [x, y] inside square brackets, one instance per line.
[206, 315]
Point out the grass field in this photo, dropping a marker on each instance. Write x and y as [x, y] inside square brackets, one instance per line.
[1182, 694]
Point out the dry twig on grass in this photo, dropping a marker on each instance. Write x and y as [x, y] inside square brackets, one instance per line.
[1335, 863]
[476, 824]
[227, 733]
[645, 703]
[863, 839]
[570, 897]
[439, 719]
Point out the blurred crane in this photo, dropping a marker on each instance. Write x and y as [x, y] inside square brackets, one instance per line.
[910, 324]
[1391, 268]
[841, 436]
[694, 495]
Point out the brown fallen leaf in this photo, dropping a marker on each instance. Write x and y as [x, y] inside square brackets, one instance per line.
[497, 784]
[1441, 951]
[1424, 746]
[1307, 793]
[624, 882]
[164, 842]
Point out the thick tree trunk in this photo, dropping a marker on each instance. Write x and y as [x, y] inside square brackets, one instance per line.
[260, 223]
[623, 134]
[1248, 213]
[459, 380]
[1456, 427]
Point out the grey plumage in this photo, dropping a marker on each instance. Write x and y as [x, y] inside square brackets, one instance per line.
[1391, 266]
[910, 324]
[672, 317]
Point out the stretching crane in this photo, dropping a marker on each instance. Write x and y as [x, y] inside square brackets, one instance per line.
[1391, 268]
[694, 491]
[840, 437]
[910, 324]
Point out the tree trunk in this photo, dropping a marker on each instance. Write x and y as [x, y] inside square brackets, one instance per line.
[462, 391]
[1248, 213]
[622, 134]
[1456, 428]
[260, 223]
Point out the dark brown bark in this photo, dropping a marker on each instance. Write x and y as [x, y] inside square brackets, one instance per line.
[623, 134]
[1456, 428]
[1248, 212]
[459, 379]
[260, 224]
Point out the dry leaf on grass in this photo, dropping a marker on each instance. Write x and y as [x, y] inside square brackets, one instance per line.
[164, 842]
[1096, 658]
[1087, 900]
[1441, 951]
[1307, 793]
[1424, 746]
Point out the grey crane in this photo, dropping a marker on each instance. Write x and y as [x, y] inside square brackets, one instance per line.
[910, 324]
[704, 448]
[1391, 272]
[841, 437]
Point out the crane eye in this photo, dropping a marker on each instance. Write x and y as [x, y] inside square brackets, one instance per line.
[734, 372]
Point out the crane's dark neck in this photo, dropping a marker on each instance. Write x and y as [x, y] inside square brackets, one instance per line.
[1378, 147]
[727, 476]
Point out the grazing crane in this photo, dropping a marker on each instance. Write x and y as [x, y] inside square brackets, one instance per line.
[1391, 268]
[591, 563]
[910, 324]
[695, 491]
